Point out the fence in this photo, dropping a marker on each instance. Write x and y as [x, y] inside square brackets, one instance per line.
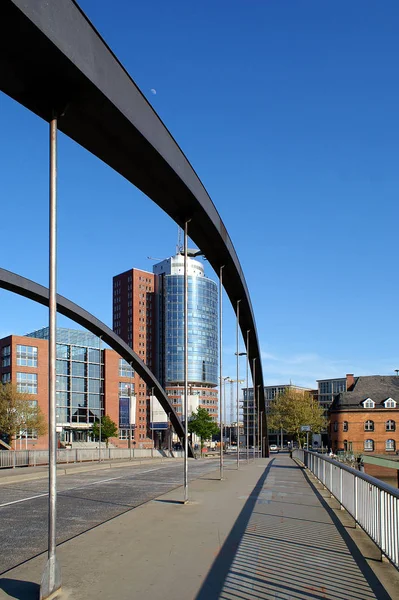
[33, 458]
[372, 503]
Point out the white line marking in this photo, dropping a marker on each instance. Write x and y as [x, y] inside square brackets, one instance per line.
[23, 500]
[77, 488]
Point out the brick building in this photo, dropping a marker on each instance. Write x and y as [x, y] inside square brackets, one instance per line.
[91, 381]
[365, 418]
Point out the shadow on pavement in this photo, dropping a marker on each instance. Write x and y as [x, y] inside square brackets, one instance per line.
[23, 590]
[214, 583]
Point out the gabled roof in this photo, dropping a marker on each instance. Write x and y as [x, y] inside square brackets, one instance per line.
[376, 387]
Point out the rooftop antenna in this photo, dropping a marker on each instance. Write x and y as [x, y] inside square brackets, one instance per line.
[179, 244]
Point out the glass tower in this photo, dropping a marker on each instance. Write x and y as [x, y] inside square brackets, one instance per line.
[202, 323]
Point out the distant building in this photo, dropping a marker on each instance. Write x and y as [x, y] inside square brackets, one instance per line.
[271, 392]
[327, 390]
[365, 418]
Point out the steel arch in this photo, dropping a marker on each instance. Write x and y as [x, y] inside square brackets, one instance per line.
[38, 293]
[53, 59]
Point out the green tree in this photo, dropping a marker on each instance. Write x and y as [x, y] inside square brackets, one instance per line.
[294, 408]
[109, 429]
[201, 424]
[19, 412]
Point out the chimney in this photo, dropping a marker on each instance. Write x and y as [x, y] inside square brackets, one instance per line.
[350, 381]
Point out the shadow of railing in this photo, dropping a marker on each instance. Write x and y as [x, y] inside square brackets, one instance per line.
[214, 583]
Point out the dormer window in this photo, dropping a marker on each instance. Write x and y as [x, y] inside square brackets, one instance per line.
[389, 403]
[368, 403]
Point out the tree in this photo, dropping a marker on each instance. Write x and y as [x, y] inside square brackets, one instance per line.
[294, 408]
[109, 429]
[19, 412]
[202, 425]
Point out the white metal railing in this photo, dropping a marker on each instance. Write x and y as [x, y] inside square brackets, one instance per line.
[33, 458]
[372, 503]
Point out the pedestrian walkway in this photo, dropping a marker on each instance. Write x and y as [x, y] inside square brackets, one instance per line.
[265, 532]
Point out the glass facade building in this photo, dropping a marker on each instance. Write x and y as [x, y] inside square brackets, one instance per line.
[202, 329]
[80, 379]
[202, 323]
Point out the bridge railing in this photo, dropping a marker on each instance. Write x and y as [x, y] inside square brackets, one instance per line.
[35, 458]
[372, 503]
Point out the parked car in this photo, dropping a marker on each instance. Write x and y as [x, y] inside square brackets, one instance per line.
[273, 448]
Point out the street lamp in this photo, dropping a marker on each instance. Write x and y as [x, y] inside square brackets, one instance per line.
[238, 427]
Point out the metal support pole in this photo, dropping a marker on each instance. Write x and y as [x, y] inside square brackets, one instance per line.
[261, 433]
[254, 397]
[130, 413]
[185, 366]
[99, 425]
[221, 367]
[51, 578]
[258, 416]
[238, 368]
[247, 415]
[152, 421]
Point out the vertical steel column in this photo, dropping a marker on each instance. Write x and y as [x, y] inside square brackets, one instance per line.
[238, 384]
[51, 578]
[185, 366]
[152, 421]
[254, 396]
[261, 433]
[258, 415]
[130, 413]
[221, 367]
[247, 419]
[99, 425]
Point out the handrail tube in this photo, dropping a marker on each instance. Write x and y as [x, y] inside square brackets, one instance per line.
[373, 504]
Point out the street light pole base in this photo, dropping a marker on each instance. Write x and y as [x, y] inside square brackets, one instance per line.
[50, 584]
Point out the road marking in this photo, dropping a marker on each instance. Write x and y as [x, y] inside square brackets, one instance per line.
[77, 488]
[23, 500]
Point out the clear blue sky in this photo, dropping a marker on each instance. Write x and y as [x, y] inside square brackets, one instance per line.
[288, 111]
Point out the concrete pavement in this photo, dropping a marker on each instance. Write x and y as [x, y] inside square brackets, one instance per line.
[265, 532]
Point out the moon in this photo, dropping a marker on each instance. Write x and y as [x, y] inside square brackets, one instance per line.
[153, 91]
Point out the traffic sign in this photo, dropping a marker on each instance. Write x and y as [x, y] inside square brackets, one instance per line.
[306, 428]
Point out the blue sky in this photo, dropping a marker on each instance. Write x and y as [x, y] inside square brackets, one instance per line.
[288, 112]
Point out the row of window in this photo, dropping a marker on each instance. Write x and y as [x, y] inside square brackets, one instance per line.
[390, 445]
[390, 425]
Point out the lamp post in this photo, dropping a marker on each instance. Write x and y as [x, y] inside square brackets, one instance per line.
[253, 404]
[221, 369]
[238, 380]
[185, 366]
[238, 368]
[99, 425]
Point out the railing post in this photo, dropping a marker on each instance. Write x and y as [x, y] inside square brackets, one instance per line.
[14, 459]
[341, 490]
[355, 498]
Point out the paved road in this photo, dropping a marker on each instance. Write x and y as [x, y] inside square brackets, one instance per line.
[85, 500]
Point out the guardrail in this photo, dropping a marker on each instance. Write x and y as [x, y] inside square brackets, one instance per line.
[372, 503]
[34, 458]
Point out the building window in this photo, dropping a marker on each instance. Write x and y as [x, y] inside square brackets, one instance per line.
[345, 426]
[124, 434]
[6, 378]
[30, 434]
[26, 356]
[345, 445]
[125, 370]
[390, 425]
[390, 403]
[369, 426]
[335, 425]
[390, 445]
[368, 445]
[124, 388]
[6, 356]
[368, 403]
[27, 383]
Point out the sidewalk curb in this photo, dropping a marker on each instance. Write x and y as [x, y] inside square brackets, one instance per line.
[17, 478]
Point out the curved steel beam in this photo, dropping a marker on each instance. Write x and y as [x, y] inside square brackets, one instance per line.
[38, 293]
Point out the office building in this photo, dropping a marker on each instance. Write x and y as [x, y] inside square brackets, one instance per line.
[149, 316]
[91, 381]
[271, 392]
